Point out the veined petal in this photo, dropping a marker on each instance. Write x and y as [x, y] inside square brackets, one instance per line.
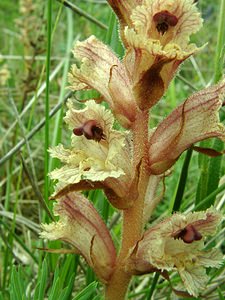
[169, 21]
[102, 70]
[211, 258]
[144, 53]
[177, 243]
[152, 66]
[82, 227]
[194, 279]
[205, 222]
[194, 120]
[194, 276]
[95, 166]
[89, 160]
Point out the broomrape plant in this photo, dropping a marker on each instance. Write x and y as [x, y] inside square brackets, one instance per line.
[128, 165]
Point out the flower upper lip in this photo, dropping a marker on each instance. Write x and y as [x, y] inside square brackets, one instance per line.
[188, 234]
[91, 130]
[163, 20]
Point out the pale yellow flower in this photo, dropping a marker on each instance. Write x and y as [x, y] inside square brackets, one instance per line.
[99, 156]
[169, 21]
[81, 226]
[157, 43]
[101, 69]
[177, 244]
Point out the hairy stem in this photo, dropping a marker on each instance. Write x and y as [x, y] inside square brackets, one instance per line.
[132, 217]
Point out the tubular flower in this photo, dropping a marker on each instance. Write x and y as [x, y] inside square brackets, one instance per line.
[101, 70]
[157, 42]
[81, 226]
[177, 244]
[99, 156]
[194, 120]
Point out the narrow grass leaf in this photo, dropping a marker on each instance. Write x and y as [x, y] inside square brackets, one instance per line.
[66, 293]
[82, 13]
[220, 294]
[22, 244]
[210, 196]
[48, 56]
[17, 287]
[43, 280]
[153, 286]
[176, 203]
[214, 172]
[87, 292]
[55, 289]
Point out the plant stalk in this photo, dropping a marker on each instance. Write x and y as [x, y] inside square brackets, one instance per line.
[133, 216]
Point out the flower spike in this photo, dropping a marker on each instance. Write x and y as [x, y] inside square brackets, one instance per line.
[129, 163]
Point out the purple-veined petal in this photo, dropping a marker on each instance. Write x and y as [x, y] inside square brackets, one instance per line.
[195, 120]
[82, 227]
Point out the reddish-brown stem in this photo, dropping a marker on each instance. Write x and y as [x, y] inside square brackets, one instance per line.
[132, 217]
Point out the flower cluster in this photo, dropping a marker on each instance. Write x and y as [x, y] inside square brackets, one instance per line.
[129, 164]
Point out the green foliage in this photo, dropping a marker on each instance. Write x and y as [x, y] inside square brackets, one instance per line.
[87, 292]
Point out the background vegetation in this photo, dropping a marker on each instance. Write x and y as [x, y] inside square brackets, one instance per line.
[35, 55]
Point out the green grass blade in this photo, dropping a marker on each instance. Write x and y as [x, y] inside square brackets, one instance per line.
[66, 293]
[153, 286]
[211, 196]
[219, 57]
[36, 292]
[176, 203]
[35, 130]
[86, 293]
[214, 172]
[59, 116]
[55, 290]
[68, 268]
[43, 280]
[22, 244]
[48, 56]
[220, 294]
[82, 13]
[17, 288]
